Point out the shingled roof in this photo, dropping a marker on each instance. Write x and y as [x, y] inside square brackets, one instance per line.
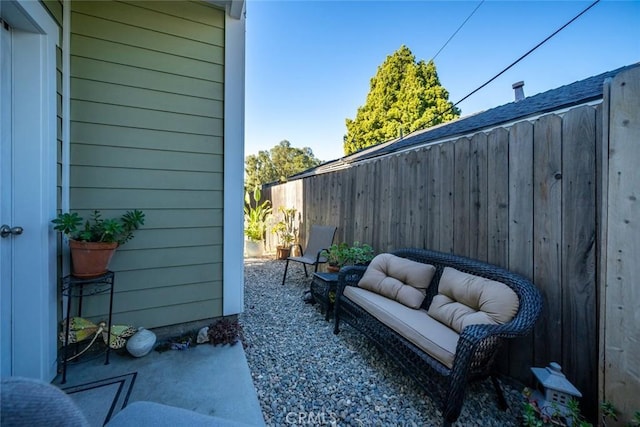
[578, 93]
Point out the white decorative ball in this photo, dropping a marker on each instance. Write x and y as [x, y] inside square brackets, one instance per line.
[141, 343]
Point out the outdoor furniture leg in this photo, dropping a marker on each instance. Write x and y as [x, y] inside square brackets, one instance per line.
[305, 270]
[502, 403]
[286, 266]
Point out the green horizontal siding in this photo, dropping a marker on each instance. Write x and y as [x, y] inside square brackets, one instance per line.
[178, 313]
[120, 198]
[126, 96]
[142, 38]
[165, 19]
[106, 177]
[96, 134]
[55, 9]
[108, 72]
[147, 133]
[189, 10]
[171, 218]
[168, 276]
[143, 58]
[116, 115]
[107, 156]
[179, 237]
[127, 259]
[131, 302]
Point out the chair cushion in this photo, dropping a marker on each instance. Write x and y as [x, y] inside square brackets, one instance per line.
[464, 299]
[30, 402]
[398, 278]
[431, 336]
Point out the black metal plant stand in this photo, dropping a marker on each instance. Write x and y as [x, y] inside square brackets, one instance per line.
[78, 288]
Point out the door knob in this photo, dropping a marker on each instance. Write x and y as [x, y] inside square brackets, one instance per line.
[6, 231]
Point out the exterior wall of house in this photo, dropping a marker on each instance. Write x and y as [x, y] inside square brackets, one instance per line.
[147, 133]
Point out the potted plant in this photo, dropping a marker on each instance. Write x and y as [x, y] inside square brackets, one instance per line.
[93, 245]
[337, 256]
[286, 232]
[360, 254]
[255, 222]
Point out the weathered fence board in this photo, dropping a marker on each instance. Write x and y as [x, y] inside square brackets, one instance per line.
[421, 183]
[446, 198]
[434, 191]
[461, 208]
[384, 208]
[478, 220]
[498, 196]
[620, 291]
[498, 207]
[579, 246]
[521, 229]
[547, 194]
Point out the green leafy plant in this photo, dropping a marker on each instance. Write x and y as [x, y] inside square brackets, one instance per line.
[361, 254]
[97, 229]
[286, 228]
[339, 255]
[608, 411]
[533, 416]
[255, 217]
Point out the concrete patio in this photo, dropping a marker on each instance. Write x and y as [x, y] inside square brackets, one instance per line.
[211, 380]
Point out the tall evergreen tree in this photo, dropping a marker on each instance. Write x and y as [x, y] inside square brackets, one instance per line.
[277, 164]
[404, 96]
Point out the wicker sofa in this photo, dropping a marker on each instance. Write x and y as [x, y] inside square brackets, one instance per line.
[442, 317]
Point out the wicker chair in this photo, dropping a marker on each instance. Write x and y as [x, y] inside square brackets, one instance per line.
[477, 346]
[320, 238]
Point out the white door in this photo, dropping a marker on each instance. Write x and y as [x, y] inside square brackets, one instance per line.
[27, 190]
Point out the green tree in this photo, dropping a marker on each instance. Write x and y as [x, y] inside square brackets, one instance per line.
[404, 96]
[277, 164]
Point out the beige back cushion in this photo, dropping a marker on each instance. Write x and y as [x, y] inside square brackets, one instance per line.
[398, 278]
[464, 299]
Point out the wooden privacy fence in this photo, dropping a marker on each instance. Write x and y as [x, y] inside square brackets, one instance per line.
[522, 197]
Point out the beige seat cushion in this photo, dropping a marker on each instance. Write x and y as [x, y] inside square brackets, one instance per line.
[398, 278]
[465, 299]
[415, 326]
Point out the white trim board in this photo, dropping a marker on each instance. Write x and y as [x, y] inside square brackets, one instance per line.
[233, 235]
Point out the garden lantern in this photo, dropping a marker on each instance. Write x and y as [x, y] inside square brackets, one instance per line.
[554, 390]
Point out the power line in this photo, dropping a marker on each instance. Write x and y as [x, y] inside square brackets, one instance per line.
[432, 122]
[456, 31]
[527, 53]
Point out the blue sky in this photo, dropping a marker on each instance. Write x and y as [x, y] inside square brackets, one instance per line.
[308, 64]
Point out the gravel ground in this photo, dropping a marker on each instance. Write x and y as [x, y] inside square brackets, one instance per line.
[306, 375]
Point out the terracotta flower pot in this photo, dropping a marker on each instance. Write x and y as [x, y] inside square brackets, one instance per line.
[283, 252]
[90, 259]
[332, 268]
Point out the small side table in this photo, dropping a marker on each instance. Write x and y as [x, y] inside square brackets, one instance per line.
[78, 288]
[322, 284]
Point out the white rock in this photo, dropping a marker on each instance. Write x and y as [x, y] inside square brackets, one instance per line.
[141, 343]
[203, 335]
